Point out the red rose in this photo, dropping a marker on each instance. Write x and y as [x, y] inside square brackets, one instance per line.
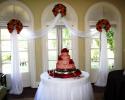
[71, 61]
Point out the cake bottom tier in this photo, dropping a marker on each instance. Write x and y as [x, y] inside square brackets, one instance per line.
[64, 73]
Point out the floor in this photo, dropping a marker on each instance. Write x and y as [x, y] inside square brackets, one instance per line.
[28, 94]
[98, 93]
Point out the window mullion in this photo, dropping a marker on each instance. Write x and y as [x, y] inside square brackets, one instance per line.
[59, 38]
[0, 53]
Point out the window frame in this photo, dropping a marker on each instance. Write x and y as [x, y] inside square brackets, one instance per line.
[9, 40]
[98, 48]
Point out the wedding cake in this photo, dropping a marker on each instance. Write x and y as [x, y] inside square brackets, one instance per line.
[65, 67]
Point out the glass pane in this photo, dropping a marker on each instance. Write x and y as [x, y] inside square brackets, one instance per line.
[110, 63]
[52, 44]
[67, 44]
[70, 53]
[5, 46]
[96, 36]
[52, 55]
[94, 54]
[94, 32]
[6, 57]
[95, 64]
[21, 38]
[66, 34]
[52, 34]
[23, 56]
[110, 53]
[5, 35]
[108, 46]
[24, 33]
[23, 61]
[24, 66]
[23, 45]
[52, 65]
[6, 68]
[95, 43]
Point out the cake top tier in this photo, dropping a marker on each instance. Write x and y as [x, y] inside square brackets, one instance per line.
[64, 54]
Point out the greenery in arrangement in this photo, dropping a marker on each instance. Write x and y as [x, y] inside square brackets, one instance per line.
[110, 39]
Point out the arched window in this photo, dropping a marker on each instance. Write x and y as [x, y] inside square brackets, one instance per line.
[103, 10]
[59, 37]
[17, 10]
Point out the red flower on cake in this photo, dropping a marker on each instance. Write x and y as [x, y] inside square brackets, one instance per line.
[14, 24]
[103, 24]
[59, 57]
[64, 50]
[59, 8]
[71, 61]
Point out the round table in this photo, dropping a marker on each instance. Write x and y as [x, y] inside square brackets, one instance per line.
[78, 88]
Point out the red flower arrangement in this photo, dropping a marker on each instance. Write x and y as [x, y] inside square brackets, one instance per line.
[14, 24]
[59, 8]
[103, 24]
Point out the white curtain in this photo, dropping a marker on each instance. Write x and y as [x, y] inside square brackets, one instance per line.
[16, 80]
[58, 20]
[103, 64]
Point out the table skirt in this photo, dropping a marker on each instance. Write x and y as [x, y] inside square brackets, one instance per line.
[64, 89]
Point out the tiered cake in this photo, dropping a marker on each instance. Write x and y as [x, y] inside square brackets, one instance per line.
[65, 67]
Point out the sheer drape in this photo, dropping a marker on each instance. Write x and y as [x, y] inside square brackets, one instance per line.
[58, 20]
[16, 79]
[103, 63]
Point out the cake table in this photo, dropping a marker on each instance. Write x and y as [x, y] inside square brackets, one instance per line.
[77, 88]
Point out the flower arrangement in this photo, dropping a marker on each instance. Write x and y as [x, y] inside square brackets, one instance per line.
[14, 24]
[103, 24]
[59, 8]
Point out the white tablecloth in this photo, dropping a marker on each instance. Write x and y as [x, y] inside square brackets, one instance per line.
[64, 89]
